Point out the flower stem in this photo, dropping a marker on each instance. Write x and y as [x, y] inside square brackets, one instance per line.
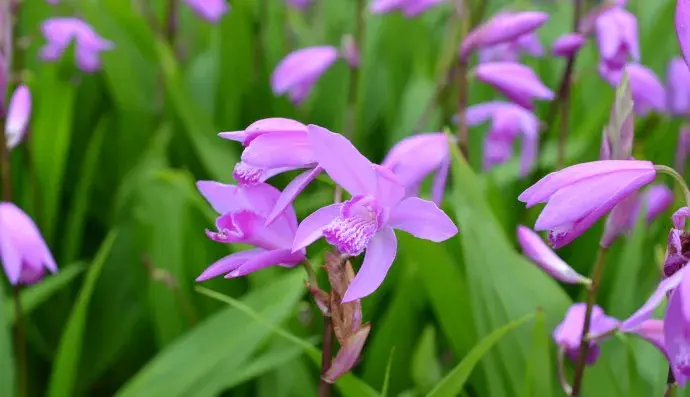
[20, 342]
[678, 178]
[670, 390]
[310, 272]
[563, 98]
[464, 14]
[591, 300]
[567, 389]
[325, 388]
[353, 89]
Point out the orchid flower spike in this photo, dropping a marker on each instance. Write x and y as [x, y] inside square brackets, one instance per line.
[416, 157]
[617, 37]
[297, 73]
[410, 8]
[568, 44]
[508, 121]
[502, 28]
[678, 87]
[18, 115]
[210, 10]
[516, 81]
[579, 195]
[367, 220]
[535, 249]
[25, 255]
[273, 146]
[60, 32]
[243, 211]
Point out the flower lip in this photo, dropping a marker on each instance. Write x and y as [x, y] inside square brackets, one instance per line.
[361, 217]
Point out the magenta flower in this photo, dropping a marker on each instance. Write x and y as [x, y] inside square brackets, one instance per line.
[568, 44]
[297, 73]
[647, 91]
[25, 255]
[299, 4]
[535, 249]
[508, 122]
[416, 157]
[18, 114]
[682, 149]
[410, 8]
[678, 83]
[617, 38]
[516, 81]
[502, 28]
[210, 10]
[567, 334]
[682, 23]
[510, 51]
[647, 309]
[677, 254]
[273, 146]
[366, 221]
[60, 32]
[579, 195]
[243, 212]
[676, 325]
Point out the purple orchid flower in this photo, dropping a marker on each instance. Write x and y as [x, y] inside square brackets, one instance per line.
[18, 115]
[243, 212]
[60, 32]
[210, 10]
[502, 28]
[647, 91]
[516, 81]
[678, 83]
[273, 146]
[510, 51]
[579, 195]
[682, 24]
[535, 249]
[616, 30]
[568, 44]
[567, 334]
[367, 220]
[297, 73]
[677, 253]
[676, 324]
[416, 157]
[410, 8]
[682, 149]
[508, 122]
[25, 255]
[299, 4]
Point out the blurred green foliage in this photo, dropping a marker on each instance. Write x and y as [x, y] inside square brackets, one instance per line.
[109, 171]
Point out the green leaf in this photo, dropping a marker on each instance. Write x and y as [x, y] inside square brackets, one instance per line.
[349, 385]
[208, 346]
[454, 382]
[502, 284]
[539, 371]
[7, 374]
[426, 370]
[35, 295]
[387, 378]
[63, 379]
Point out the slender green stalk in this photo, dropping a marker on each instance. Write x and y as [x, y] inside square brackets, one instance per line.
[461, 78]
[670, 390]
[678, 178]
[310, 272]
[325, 388]
[20, 342]
[591, 300]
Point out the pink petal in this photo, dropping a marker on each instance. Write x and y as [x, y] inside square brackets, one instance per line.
[343, 163]
[378, 259]
[18, 114]
[647, 309]
[264, 126]
[210, 10]
[311, 228]
[223, 198]
[678, 218]
[568, 44]
[516, 81]
[534, 248]
[228, 264]
[383, 6]
[676, 323]
[439, 184]
[265, 259]
[305, 65]
[652, 331]
[682, 22]
[291, 191]
[279, 149]
[502, 28]
[389, 191]
[422, 219]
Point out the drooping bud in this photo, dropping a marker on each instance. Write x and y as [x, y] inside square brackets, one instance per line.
[349, 51]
